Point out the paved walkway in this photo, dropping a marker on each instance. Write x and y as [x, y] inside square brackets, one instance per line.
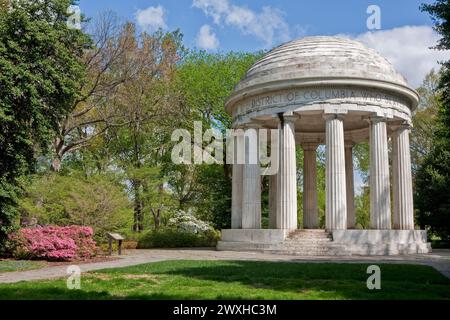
[439, 259]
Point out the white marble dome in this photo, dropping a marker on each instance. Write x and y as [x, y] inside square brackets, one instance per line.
[321, 61]
[322, 57]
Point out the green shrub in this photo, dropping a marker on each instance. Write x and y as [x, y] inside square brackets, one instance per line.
[96, 201]
[172, 238]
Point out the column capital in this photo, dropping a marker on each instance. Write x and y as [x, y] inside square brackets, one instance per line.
[251, 125]
[290, 116]
[375, 119]
[400, 127]
[332, 116]
[309, 146]
[349, 143]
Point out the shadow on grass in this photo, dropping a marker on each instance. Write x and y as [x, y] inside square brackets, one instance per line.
[50, 293]
[324, 280]
[65, 294]
[243, 280]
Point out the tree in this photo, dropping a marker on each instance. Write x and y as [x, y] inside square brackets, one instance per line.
[433, 178]
[424, 120]
[108, 64]
[206, 81]
[41, 71]
[149, 103]
[96, 201]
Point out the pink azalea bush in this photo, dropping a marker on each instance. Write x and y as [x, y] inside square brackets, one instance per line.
[54, 243]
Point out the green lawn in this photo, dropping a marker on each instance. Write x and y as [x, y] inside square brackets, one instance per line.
[19, 265]
[241, 280]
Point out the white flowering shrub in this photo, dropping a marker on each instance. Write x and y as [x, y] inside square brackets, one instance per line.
[186, 221]
[183, 230]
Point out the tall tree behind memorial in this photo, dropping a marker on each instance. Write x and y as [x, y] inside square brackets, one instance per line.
[108, 65]
[40, 73]
[149, 103]
[433, 178]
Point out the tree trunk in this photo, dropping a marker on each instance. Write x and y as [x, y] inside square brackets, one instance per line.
[157, 219]
[137, 225]
[56, 164]
[58, 147]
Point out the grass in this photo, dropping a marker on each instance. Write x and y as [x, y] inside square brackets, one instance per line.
[241, 280]
[19, 265]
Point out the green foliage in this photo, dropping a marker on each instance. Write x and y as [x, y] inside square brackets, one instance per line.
[361, 157]
[321, 194]
[173, 238]
[362, 207]
[213, 201]
[432, 194]
[151, 109]
[158, 202]
[425, 120]
[433, 178]
[40, 71]
[95, 201]
[207, 80]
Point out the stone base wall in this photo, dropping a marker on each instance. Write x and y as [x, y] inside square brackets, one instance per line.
[255, 235]
[320, 243]
[379, 236]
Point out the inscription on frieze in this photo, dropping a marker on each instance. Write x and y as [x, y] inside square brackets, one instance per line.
[317, 95]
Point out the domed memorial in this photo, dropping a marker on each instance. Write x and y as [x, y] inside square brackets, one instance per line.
[334, 92]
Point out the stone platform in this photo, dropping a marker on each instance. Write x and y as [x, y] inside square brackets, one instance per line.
[310, 242]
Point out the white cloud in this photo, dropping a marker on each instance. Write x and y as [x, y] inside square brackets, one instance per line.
[408, 49]
[268, 25]
[152, 18]
[206, 39]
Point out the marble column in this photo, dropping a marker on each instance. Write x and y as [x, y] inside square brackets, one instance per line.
[237, 182]
[273, 201]
[351, 217]
[336, 195]
[236, 197]
[251, 188]
[402, 180]
[287, 175]
[380, 195]
[310, 212]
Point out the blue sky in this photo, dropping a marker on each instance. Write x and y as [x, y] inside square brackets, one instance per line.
[303, 17]
[405, 36]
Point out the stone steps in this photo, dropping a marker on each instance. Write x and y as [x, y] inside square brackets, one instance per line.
[309, 235]
[285, 248]
[299, 242]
